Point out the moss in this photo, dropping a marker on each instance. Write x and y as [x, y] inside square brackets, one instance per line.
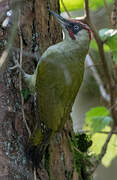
[79, 145]
[83, 142]
[37, 137]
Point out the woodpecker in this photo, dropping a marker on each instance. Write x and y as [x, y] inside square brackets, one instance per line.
[56, 81]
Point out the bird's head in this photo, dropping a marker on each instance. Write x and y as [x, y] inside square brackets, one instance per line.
[73, 28]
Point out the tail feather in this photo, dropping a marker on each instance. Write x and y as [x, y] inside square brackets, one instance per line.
[35, 152]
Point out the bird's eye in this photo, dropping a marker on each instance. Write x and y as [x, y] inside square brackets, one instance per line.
[76, 27]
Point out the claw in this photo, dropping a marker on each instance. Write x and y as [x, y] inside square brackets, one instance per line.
[30, 80]
[17, 66]
[14, 67]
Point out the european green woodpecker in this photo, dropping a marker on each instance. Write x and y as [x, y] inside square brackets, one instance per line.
[56, 81]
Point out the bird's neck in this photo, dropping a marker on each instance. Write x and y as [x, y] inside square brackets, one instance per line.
[81, 41]
[79, 47]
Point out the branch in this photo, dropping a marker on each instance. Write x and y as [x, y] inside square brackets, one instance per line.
[114, 15]
[103, 151]
[103, 92]
[65, 9]
[104, 148]
[26, 53]
[109, 81]
[107, 11]
[20, 81]
[99, 132]
[86, 10]
[34, 172]
[20, 84]
[103, 59]
[3, 58]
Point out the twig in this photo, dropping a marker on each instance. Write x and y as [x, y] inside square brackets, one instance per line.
[114, 15]
[86, 10]
[3, 58]
[109, 80]
[103, 151]
[97, 78]
[65, 9]
[107, 11]
[20, 84]
[26, 53]
[103, 59]
[100, 132]
[22, 98]
[76, 149]
[35, 177]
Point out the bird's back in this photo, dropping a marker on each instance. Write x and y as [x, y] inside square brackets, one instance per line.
[59, 76]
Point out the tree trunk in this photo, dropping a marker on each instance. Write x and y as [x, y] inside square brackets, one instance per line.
[59, 162]
[39, 30]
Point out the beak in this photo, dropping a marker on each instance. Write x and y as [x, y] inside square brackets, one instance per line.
[59, 18]
[65, 22]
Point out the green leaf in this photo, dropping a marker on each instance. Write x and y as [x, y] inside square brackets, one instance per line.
[103, 33]
[114, 56]
[98, 141]
[106, 48]
[109, 36]
[97, 118]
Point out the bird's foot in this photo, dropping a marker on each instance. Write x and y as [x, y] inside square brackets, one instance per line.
[17, 66]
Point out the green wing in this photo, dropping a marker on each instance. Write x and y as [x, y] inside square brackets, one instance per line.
[57, 83]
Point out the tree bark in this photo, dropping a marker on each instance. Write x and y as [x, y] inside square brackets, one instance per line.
[39, 31]
[58, 159]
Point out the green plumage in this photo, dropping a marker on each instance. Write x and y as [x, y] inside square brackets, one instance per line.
[57, 80]
[59, 76]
